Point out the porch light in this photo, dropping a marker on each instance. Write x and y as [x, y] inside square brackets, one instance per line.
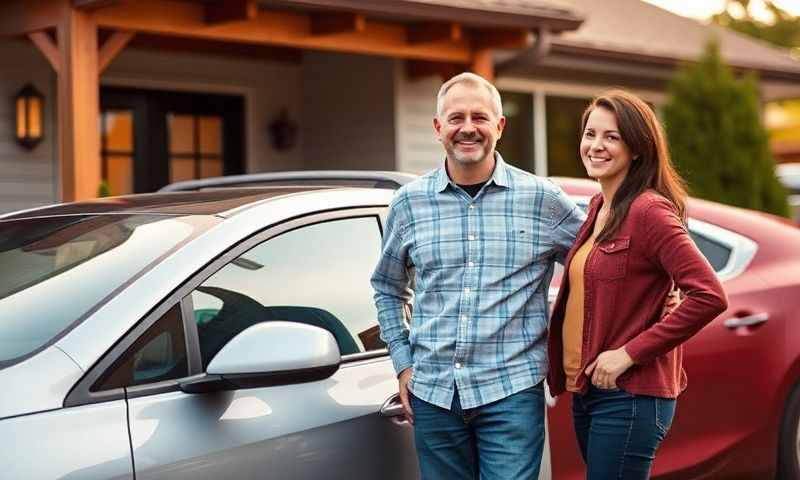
[30, 120]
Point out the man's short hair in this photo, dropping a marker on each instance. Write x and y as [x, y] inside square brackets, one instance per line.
[471, 79]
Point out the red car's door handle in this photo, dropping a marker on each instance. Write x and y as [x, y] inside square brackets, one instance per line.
[748, 321]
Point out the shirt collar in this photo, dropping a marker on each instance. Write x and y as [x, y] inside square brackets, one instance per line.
[499, 176]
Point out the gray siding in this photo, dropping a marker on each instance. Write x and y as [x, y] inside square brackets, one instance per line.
[28, 178]
[348, 111]
[417, 149]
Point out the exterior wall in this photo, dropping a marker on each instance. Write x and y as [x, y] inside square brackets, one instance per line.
[348, 120]
[415, 106]
[267, 87]
[28, 178]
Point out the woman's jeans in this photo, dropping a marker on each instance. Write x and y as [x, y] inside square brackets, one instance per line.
[499, 441]
[619, 433]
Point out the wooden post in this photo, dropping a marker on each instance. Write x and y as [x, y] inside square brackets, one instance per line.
[483, 64]
[78, 106]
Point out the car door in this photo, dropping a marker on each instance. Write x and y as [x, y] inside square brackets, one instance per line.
[314, 270]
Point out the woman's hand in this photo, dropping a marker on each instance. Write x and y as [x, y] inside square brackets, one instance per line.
[607, 367]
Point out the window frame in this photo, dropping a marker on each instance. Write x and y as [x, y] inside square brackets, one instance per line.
[81, 393]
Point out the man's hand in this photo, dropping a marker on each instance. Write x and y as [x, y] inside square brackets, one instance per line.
[607, 367]
[403, 380]
[673, 301]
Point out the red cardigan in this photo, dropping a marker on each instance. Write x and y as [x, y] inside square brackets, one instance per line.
[627, 280]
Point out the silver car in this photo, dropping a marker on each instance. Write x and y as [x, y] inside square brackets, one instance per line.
[221, 334]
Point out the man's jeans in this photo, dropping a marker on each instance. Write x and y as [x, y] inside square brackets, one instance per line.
[499, 441]
[619, 433]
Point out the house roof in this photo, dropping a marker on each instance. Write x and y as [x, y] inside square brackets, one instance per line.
[638, 31]
[556, 14]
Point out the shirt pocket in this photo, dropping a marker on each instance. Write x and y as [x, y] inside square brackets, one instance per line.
[612, 262]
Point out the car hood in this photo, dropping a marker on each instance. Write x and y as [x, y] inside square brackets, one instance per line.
[37, 384]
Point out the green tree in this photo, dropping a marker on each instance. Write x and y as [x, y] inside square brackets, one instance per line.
[718, 142]
[783, 31]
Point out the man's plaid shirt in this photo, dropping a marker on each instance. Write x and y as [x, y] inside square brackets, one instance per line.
[483, 267]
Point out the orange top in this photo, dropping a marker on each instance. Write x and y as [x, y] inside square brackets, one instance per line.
[572, 334]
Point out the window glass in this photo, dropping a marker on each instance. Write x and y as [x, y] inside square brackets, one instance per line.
[516, 144]
[158, 355]
[716, 253]
[564, 136]
[56, 269]
[317, 275]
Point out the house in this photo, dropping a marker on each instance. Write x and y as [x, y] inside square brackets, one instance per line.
[141, 93]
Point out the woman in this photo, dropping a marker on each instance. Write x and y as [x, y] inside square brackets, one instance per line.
[609, 343]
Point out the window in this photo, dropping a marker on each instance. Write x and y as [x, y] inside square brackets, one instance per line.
[317, 274]
[516, 144]
[564, 136]
[116, 139]
[717, 254]
[195, 146]
[158, 355]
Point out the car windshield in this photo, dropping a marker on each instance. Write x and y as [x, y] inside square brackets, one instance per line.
[56, 270]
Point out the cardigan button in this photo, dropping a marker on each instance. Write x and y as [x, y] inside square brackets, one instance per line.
[612, 245]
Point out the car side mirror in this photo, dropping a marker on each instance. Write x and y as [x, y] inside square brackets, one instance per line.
[269, 354]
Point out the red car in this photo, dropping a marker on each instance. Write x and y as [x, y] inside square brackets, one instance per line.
[739, 416]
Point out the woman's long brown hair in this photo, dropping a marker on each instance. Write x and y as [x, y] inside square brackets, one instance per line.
[651, 166]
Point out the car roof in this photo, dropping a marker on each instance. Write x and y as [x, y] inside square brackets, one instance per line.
[352, 178]
[206, 202]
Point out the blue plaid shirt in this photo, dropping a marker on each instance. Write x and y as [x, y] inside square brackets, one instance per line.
[482, 270]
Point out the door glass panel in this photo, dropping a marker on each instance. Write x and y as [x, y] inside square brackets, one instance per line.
[181, 133]
[211, 167]
[120, 174]
[210, 135]
[181, 168]
[119, 131]
[317, 275]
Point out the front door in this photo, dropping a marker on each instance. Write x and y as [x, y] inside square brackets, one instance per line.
[151, 138]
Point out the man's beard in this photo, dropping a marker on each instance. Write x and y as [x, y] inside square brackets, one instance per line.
[469, 158]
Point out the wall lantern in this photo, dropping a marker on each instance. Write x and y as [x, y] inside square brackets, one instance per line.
[283, 132]
[30, 118]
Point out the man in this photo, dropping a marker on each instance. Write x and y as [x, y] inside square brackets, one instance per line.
[483, 238]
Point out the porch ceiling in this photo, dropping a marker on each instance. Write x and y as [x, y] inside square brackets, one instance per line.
[452, 31]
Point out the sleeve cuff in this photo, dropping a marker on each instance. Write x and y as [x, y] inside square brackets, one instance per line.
[401, 358]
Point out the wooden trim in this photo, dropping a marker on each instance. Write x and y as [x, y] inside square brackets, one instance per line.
[338, 22]
[483, 64]
[89, 4]
[231, 11]
[111, 48]
[281, 28]
[78, 107]
[45, 44]
[504, 39]
[434, 32]
[416, 69]
[22, 17]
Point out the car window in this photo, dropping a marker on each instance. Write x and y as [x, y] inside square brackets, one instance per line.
[158, 355]
[317, 274]
[716, 253]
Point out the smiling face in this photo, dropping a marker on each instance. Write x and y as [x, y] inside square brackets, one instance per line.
[605, 155]
[468, 125]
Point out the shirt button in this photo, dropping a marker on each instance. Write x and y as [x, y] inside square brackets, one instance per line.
[471, 237]
[463, 318]
[466, 290]
[472, 207]
[457, 365]
[471, 264]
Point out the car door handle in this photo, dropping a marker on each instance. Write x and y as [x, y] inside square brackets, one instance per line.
[747, 321]
[392, 407]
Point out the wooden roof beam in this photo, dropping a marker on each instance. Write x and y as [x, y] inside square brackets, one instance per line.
[278, 28]
[44, 42]
[501, 38]
[337, 22]
[231, 11]
[428, 32]
[111, 47]
[21, 18]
